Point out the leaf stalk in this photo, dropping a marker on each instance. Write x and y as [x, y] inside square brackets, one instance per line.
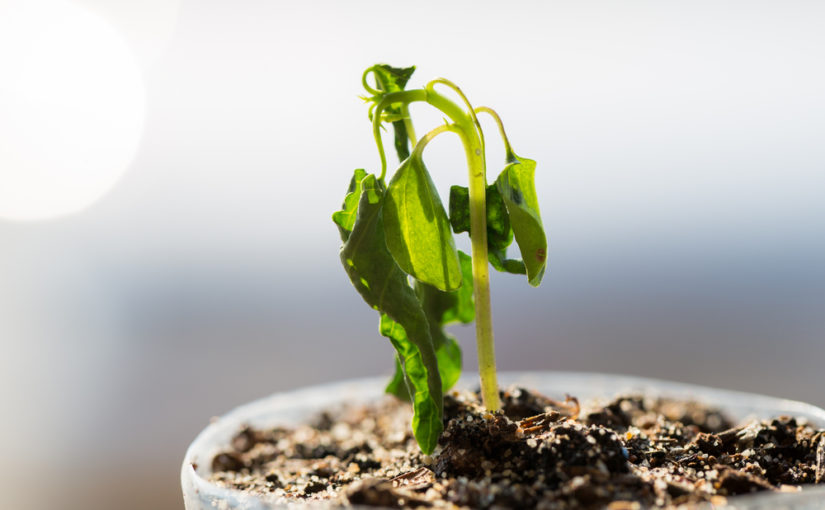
[509, 155]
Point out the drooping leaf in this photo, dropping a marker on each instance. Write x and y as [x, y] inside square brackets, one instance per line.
[499, 232]
[407, 354]
[345, 218]
[441, 309]
[417, 229]
[384, 286]
[448, 355]
[517, 187]
[415, 375]
[394, 79]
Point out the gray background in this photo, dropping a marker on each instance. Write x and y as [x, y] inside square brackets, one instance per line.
[680, 172]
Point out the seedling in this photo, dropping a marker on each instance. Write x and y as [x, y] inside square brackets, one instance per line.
[400, 254]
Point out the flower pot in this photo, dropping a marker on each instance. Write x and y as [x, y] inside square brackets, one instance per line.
[294, 407]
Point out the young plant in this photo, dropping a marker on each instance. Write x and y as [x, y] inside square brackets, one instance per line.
[400, 254]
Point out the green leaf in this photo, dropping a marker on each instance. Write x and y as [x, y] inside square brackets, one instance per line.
[398, 384]
[345, 218]
[384, 286]
[460, 209]
[442, 308]
[448, 355]
[499, 232]
[517, 187]
[394, 79]
[417, 229]
[426, 422]
[401, 140]
[498, 259]
[449, 362]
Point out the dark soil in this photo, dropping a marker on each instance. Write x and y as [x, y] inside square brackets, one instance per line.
[632, 453]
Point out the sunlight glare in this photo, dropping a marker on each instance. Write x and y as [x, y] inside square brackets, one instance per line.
[72, 104]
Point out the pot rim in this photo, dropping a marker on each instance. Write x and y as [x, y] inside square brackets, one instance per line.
[294, 406]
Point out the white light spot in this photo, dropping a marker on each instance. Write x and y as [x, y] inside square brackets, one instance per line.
[72, 104]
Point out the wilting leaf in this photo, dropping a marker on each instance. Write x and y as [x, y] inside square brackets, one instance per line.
[394, 79]
[417, 229]
[448, 355]
[517, 187]
[426, 410]
[410, 382]
[384, 286]
[345, 218]
[441, 309]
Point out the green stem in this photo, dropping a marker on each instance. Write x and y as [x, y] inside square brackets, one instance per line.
[474, 152]
[471, 111]
[408, 123]
[404, 97]
[419, 147]
[467, 126]
[366, 84]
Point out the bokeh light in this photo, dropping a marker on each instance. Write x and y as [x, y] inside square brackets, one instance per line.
[72, 104]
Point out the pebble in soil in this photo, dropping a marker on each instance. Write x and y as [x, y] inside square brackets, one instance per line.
[634, 452]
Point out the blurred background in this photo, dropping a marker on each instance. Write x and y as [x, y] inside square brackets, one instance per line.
[168, 170]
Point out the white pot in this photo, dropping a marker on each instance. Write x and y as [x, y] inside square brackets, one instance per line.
[294, 407]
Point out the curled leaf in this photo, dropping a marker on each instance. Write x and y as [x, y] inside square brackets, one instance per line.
[345, 218]
[394, 79]
[384, 286]
[517, 187]
[448, 355]
[441, 309]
